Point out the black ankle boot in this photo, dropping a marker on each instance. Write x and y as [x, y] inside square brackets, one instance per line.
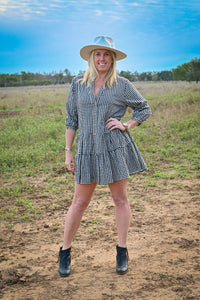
[122, 260]
[65, 262]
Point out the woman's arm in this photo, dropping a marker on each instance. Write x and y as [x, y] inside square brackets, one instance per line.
[69, 159]
[132, 98]
[132, 123]
[113, 123]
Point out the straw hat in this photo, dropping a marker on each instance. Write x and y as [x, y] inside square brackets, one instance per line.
[101, 42]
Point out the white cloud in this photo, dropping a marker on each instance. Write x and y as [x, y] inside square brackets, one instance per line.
[3, 5]
[25, 9]
[112, 10]
[134, 4]
[53, 9]
[98, 12]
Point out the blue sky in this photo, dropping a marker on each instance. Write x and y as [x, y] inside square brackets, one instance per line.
[44, 36]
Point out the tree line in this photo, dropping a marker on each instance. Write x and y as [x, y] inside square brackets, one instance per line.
[189, 71]
[28, 78]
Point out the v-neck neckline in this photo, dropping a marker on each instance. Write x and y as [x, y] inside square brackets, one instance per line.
[99, 91]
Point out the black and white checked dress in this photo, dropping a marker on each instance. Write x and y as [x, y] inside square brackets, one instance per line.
[104, 156]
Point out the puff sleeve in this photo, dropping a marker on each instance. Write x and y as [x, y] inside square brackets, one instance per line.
[71, 108]
[133, 99]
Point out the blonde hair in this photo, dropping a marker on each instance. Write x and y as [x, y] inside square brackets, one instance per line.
[91, 74]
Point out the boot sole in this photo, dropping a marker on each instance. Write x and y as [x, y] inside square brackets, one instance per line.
[122, 272]
[64, 275]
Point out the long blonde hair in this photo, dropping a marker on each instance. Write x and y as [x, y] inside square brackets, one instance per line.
[91, 74]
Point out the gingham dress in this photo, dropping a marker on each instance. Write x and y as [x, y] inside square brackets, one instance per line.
[104, 156]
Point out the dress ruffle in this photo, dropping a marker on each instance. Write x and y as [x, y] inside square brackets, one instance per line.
[119, 159]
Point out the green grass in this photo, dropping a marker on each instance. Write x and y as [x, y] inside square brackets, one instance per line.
[170, 139]
[21, 208]
[30, 141]
[32, 144]
[35, 141]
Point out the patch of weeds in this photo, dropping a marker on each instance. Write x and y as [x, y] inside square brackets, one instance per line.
[91, 230]
[109, 206]
[101, 195]
[137, 200]
[27, 204]
[84, 223]
[14, 192]
[70, 186]
[198, 174]
[3, 258]
[47, 179]
[55, 189]
[19, 181]
[9, 214]
[150, 182]
[68, 198]
[25, 217]
[29, 173]
[73, 288]
[157, 175]
[133, 200]
[55, 227]
[164, 275]
[171, 175]
[139, 208]
[9, 226]
[93, 221]
[180, 186]
[10, 192]
[60, 181]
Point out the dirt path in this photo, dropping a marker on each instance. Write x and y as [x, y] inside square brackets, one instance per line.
[164, 248]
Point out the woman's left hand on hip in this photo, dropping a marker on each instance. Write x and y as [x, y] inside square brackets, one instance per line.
[113, 123]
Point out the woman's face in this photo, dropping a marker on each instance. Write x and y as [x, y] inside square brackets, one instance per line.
[102, 60]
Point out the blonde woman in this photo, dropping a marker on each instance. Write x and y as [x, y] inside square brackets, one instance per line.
[105, 150]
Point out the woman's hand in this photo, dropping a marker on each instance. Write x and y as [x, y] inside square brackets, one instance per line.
[69, 161]
[113, 123]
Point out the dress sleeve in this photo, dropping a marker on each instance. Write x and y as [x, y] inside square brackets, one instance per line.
[136, 101]
[71, 108]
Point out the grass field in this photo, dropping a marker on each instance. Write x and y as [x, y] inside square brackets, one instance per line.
[36, 191]
[33, 128]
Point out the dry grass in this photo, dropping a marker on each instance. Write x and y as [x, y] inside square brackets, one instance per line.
[155, 88]
[22, 98]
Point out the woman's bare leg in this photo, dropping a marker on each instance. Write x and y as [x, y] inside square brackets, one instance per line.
[122, 209]
[82, 196]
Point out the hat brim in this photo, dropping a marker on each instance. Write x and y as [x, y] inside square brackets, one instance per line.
[86, 50]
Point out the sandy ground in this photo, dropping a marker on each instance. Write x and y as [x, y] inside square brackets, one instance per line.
[163, 244]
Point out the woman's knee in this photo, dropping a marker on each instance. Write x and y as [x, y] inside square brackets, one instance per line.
[120, 201]
[80, 204]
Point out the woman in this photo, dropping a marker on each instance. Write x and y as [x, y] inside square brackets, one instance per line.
[105, 152]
